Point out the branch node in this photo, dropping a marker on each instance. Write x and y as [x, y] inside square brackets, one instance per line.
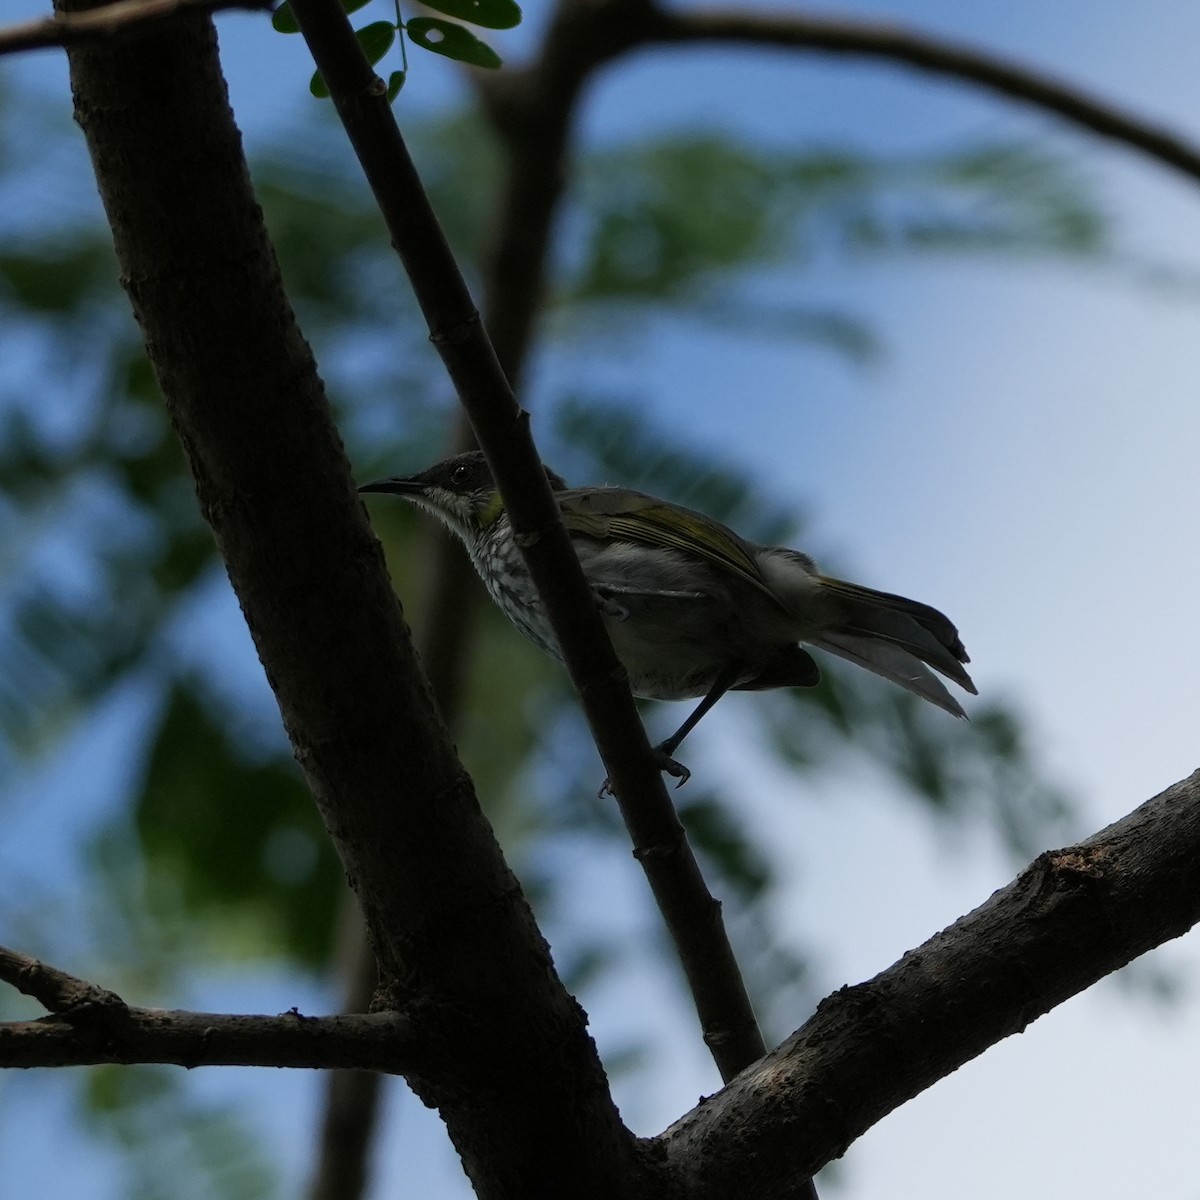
[659, 850]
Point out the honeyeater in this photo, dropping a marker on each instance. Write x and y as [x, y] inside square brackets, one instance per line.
[693, 610]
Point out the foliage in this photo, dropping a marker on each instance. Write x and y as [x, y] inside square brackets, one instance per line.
[448, 38]
[109, 580]
[773, 208]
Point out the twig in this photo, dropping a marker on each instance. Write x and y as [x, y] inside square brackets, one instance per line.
[691, 913]
[1072, 917]
[54, 990]
[112, 20]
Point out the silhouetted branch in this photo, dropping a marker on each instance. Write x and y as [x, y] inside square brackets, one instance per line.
[1072, 917]
[502, 427]
[370, 1041]
[112, 20]
[1014, 81]
[93, 1025]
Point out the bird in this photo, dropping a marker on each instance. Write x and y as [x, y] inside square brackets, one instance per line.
[693, 609]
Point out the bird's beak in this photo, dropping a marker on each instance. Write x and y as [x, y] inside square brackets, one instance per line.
[398, 485]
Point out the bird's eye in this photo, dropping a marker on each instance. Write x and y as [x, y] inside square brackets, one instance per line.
[460, 473]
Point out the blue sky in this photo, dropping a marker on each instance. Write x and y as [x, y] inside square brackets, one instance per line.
[1024, 458]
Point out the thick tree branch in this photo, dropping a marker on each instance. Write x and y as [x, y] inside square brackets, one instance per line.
[113, 20]
[691, 913]
[458, 949]
[1072, 917]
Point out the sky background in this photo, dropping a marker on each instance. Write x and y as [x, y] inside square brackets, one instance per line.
[1024, 457]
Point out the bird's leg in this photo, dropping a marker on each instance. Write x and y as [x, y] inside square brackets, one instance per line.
[665, 749]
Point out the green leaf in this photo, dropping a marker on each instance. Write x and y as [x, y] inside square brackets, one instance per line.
[668, 219]
[491, 14]
[395, 83]
[278, 873]
[376, 39]
[444, 37]
[318, 86]
[283, 20]
[354, 5]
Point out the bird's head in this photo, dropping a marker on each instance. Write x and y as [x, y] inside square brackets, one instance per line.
[459, 490]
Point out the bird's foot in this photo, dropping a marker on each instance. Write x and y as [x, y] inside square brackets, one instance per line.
[665, 763]
[672, 766]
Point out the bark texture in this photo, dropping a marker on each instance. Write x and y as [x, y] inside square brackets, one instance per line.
[518, 1082]
[1074, 916]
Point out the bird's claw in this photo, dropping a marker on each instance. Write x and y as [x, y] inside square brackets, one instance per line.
[665, 763]
[672, 766]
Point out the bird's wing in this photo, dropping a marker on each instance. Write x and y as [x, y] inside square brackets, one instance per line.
[620, 514]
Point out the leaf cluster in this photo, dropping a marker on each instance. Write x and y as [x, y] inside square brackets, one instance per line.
[447, 38]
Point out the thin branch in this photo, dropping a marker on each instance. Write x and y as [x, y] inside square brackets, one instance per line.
[112, 20]
[584, 37]
[369, 1041]
[1072, 917]
[54, 990]
[1015, 81]
[502, 427]
[93, 1025]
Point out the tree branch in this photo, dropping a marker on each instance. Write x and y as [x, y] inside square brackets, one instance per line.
[93, 1025]
[1069, 919]
[502, 427]
[1014, 81]
[370, 1041]
[113, 20]
[54, 990]
[458, 949]
[585, 36]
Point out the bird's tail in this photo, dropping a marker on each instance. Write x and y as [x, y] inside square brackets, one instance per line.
[896, 638]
